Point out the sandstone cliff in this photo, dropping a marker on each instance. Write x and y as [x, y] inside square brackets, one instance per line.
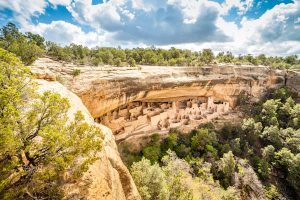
[108, 178]
[293, 81]
[134, 102]
[105, 88]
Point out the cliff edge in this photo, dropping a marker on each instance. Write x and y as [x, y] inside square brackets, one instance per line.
[108, 178]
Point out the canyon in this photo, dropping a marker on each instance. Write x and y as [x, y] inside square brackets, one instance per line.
[132, 103]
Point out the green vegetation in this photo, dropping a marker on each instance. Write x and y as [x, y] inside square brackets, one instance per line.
[161, 57]
[38, 143]
[267, 141]
[28, 47]
[76, 72]
[173, 180]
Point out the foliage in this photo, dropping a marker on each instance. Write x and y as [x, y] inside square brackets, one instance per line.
[227, 166]
[150, 180]
[207, 56]
[28, 47]
[173, 180]
[76, 72]
[152, 151]
[202, 141]
[272, 192]
[37, 142]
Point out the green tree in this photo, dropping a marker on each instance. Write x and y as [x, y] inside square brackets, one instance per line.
[252, 129]
[152, 153]
[131, 62]
[28, 49]
[268, 153]
[269, 112]
[272, 192]
[170, 142]
[37, 141]
[291, 162]
[272, 135]
[201, 139]
[150, 180]
[295, 116]
[207, 56]
[37, 39]
[177, 176]
[227, 166]
[117, 62]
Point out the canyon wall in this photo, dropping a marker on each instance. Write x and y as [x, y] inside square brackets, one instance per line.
[103, 89]
[108, 178]
[140, 100]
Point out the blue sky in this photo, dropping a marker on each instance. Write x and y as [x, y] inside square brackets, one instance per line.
[240, 26]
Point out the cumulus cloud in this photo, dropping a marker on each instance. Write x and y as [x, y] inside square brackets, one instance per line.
[65, 33]
[23, 10]
[192, 24]
[153, 22]
[60, 2]
[277, 24]
[242, 5]
[275, 31]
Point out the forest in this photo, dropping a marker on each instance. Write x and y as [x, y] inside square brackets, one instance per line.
[29, 46]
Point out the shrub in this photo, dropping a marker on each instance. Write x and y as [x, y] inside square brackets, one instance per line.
[76, 72]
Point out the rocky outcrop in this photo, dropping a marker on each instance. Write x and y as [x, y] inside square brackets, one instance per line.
[293, 81]
[166, 97]
[108, 178]
[105, 88]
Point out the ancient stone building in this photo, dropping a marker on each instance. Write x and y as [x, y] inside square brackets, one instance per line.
[139, 117]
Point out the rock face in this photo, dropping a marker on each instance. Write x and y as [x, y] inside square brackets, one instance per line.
[153, 98]
[108, 178]
[293, 81]
[103, 89]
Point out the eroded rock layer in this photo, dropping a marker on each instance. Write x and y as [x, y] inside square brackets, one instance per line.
[106, 90]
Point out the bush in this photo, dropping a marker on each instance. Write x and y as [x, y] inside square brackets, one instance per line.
[76, 72]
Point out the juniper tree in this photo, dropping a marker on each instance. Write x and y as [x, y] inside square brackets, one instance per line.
[38, 143]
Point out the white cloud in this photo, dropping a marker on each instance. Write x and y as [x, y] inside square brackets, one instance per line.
[23, 10]
[60, 2]
[152, 21]
[242, 5]
[275, 32]
[105, 15]
[65, 33]
[193, 24]
[275, 25]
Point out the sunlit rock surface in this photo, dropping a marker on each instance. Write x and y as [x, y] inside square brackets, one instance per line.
[108, 178]
[153, 98]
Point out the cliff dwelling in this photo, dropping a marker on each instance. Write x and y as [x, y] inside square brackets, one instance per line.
[140, 117]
